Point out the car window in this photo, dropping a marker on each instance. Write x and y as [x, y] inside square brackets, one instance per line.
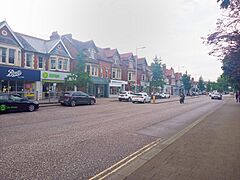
[77, 94]
[15, 98]
[138, 94]
[3, 98]
[83, 94]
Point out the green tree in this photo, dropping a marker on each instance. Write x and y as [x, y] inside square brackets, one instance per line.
[186, 79]
[223, 83]
[201, 84]
[78, 77]
[226, 41]
[157, 80]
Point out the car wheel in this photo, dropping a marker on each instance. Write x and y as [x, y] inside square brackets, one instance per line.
[73, 103]
[92, 102]
[129, 99]
[31, 108]
[62, 104]
[144, 101]
[120, 100]
[133, 102]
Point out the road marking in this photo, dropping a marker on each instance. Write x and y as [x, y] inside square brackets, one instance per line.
[161, 146]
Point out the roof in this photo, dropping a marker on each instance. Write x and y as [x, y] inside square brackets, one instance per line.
[178, 76]
[126, 56]
[142, 61]
[169, 72]
[4, 23]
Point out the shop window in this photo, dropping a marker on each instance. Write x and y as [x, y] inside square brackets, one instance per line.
[11, 56]
[29, 58]
[40, 62]
[52, 63]
[3, 55]
[65, 64]
[60, 63]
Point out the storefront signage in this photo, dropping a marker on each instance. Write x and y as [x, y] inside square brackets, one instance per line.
[14, 73]
[49, 75]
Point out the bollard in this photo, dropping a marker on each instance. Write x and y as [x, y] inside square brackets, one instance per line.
[154, 99]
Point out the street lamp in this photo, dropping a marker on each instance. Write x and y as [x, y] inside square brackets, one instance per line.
[143, 47]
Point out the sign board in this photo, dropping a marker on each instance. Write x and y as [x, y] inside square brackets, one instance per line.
[50, 75]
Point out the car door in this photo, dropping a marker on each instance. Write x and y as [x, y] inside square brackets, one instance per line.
[17, 103]
[84, 98]
[76, 97]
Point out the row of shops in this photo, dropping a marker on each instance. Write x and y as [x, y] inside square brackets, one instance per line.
[37, 84]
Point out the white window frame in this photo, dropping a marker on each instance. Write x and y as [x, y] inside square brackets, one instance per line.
[1, 48]
[130, 73]
[39, 62]
[60, 62]
[31, 59]
[65, 65]
[50, 64]
[14, 56]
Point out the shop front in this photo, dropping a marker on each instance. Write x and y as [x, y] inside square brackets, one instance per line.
[99, 87]
[116, 86]
[19, 80]
[52, 83]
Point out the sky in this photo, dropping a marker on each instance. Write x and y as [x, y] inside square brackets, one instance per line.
[171, 30]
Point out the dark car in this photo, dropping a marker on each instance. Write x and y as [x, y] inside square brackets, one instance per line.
[14, 103]
[73, 98]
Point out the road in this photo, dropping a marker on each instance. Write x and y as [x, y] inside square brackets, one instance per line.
[77, 143]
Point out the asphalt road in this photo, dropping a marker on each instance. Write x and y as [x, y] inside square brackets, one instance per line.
[77, 143]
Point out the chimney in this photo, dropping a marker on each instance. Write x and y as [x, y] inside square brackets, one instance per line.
[164, 67]
[54, 36]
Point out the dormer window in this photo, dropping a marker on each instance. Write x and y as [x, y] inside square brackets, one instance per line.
[92, 52]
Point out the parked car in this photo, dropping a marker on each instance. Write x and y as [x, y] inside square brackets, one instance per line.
[164, 95]
[141, 97]
[216, 95]
[126, 96]
[14, 103]
[73, 98]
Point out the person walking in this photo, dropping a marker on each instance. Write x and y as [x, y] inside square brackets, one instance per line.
[237, 96]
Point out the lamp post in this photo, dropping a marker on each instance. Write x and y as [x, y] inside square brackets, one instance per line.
[143, 47]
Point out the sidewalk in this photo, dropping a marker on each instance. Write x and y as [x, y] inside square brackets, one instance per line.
[210, 150]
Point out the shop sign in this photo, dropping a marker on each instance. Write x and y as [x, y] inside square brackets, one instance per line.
[49, 75]
[13, 73]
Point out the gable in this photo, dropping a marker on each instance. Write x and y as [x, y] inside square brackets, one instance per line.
[7, 37]
[60, 50]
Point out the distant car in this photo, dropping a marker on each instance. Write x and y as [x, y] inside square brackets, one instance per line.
[14, 103]
[164, 95]
[216, 95]
[126, 96]
[141, 97]
[73, 98]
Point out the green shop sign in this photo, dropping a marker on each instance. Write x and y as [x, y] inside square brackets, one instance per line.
[48, 75]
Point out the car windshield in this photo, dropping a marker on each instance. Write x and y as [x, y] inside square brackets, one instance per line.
[138, 94]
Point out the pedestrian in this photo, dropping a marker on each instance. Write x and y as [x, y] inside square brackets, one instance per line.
[182, 96]
[237, 96]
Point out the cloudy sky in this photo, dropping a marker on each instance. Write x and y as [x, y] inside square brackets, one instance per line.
[171, 30]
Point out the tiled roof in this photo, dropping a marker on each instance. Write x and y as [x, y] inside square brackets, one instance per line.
[7, 40]
[126, 56]
[169, 72]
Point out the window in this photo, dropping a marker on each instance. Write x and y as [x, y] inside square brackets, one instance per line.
[143, 77]
[29, 58]
[11, 56]
[65, 64]
[53, 63]
[113, 74]
[106, 72]
[60, 63]
[93, 69]
[101, 72]
[40, 62]
[3, 55]
[96, 71]
[88, 69]
[129, 76]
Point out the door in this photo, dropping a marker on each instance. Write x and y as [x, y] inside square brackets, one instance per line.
[84, 98]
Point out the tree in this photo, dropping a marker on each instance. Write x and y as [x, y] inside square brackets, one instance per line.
[226, 41]
[223, 84]
[78, 77]
[201, 84]
[157, 80]
[186, 79]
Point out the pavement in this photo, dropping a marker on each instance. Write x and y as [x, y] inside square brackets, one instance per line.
[209, 148]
